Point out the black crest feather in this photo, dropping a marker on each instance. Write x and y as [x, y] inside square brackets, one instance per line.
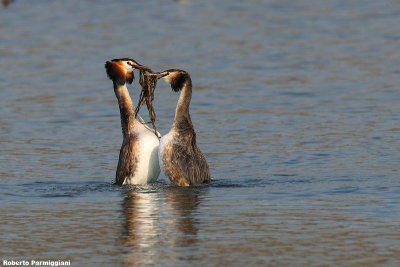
[180, 77]
[112, 71]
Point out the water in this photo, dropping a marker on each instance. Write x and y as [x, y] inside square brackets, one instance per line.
[295, 107]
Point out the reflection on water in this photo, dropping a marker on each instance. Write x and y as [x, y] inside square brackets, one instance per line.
[180, 205]
[140, 230]
[154, 219]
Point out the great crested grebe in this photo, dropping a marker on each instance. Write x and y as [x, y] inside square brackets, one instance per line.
[138, 159]
[180, 158]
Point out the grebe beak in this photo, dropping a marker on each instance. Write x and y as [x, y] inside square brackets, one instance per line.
[158, 75]
[139, 66]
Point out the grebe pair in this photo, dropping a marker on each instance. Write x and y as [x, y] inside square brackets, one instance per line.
[178, 155]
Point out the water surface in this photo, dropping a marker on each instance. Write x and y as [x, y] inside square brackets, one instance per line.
[295, 105]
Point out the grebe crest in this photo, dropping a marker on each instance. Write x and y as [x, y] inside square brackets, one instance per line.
[120, 70]
[176, 78]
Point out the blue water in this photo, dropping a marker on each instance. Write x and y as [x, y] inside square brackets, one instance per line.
[295, 106]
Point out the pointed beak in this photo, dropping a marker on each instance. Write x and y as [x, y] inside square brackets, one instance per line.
[139, 66]
[158, 75]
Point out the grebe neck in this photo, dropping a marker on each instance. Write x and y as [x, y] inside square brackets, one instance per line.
[125, 107]
[182, 108]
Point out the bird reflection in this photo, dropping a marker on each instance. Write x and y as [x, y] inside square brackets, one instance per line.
[158, 221]
[141, 226]
[181, 204]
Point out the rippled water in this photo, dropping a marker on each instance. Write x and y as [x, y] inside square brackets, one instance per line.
[296, 107]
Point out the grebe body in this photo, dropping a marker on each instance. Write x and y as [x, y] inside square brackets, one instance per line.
[179, 156]
[138, 157]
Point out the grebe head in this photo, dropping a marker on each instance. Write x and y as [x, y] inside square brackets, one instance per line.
[120, 70]
[175, 77]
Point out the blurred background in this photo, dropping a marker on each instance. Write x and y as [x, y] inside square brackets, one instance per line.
[295, 106]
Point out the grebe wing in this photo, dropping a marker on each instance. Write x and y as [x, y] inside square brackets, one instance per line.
[186, 166]
[128, 159]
